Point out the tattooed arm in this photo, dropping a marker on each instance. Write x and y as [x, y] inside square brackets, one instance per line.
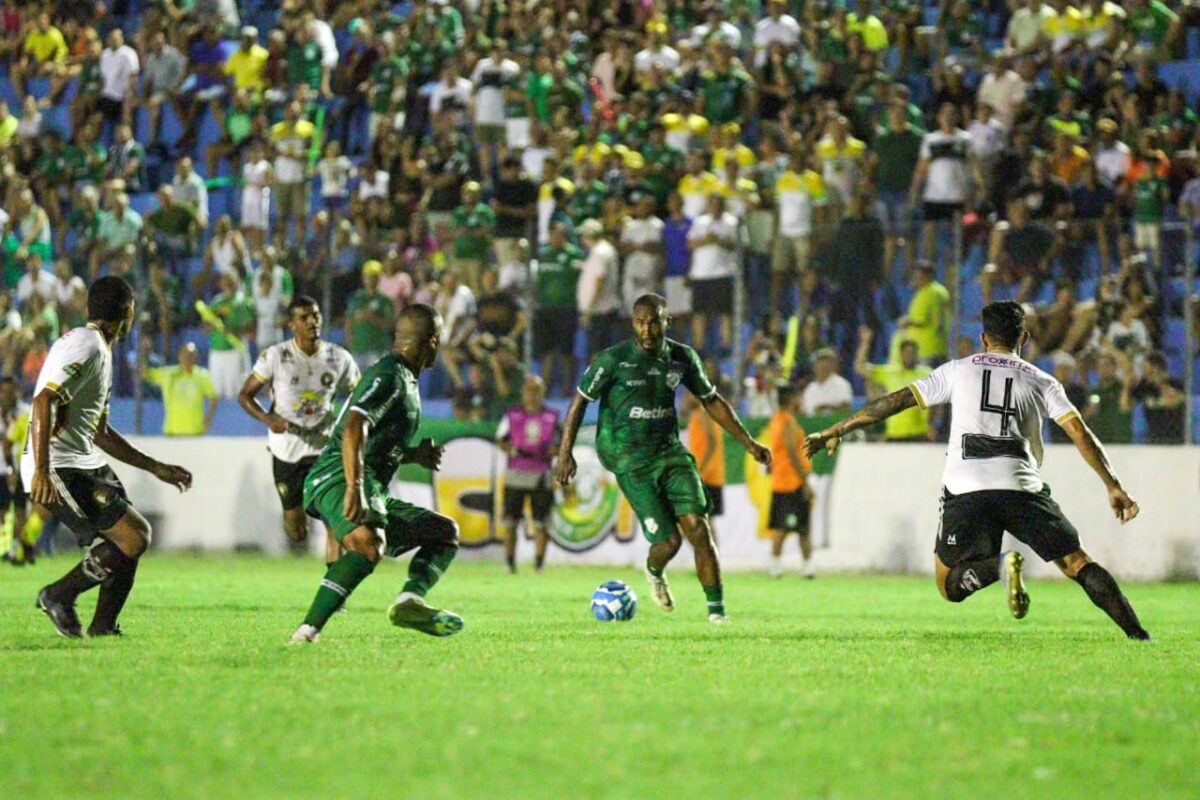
[874, 412]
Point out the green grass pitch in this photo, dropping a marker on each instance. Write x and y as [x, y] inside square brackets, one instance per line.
[840, 687]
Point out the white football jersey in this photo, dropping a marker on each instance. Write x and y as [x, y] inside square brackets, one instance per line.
[302, 391]
[997, 404]
[78, 369]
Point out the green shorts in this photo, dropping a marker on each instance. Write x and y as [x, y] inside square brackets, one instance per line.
[399, 521]
[664, 491]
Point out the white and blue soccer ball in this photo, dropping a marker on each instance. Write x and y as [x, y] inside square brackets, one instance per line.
[614, 601]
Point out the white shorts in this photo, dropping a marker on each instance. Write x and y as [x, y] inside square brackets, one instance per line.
[256, 208]
[1146, 236]
[517, 133]
[228, 369]
[679, 295]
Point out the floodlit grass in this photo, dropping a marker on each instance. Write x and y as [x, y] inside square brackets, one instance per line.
[839, 687]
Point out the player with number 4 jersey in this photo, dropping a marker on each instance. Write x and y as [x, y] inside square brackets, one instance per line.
[991, 483]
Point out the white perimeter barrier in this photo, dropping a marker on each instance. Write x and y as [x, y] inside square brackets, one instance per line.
[878, 512]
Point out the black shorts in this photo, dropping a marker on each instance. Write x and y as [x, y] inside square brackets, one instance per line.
[10, 495]
[541, 501]
[940, 212]
[110, 109]
[289, 480]
[789, 512]
[89, 500]
[974, 523]
[554, 331]
[712, 296]
[716, 500]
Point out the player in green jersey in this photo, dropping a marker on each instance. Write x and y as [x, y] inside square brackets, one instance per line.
[638, 441]
[347, 486]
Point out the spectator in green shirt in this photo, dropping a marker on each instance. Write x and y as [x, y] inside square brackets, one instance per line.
[185, 388]
[1153, 22]
[173, 226]
[895, 153]
[1109, 410]
[557, 315]
[117, 236]
[472, 225]
[928, 319]
[228, 356]
[370, 317]
[908, 426]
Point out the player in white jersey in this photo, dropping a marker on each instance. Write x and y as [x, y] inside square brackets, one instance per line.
[991, 482]
[63, 464]
[304, 375]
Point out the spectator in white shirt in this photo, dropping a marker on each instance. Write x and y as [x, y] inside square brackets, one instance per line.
[1027, 27]
[642, 247]
[451, 95]
[828, 392]
[597, 293]
[1112, 155]
[717, 27]
[775, 27]
[657, 52]
[712, 240]
[36, 280]
[190, 188]
[490, 78]
[119, 75]
[1002, 89]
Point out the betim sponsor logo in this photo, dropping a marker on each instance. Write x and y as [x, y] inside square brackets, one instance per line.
[637, 412]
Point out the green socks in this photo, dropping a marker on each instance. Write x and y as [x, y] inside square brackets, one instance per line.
[340, 580]
[428, 565]
[716, 599]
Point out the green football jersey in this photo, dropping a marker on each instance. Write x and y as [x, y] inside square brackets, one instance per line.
[388, 397]
[636, 391]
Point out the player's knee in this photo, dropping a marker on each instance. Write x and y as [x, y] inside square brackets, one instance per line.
[940, 580]
[364, 542]
[448, 532]
[1072, 563]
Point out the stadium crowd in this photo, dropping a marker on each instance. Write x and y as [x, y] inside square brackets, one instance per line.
[859, 174]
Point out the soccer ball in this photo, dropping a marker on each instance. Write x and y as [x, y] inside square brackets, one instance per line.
[614, 601]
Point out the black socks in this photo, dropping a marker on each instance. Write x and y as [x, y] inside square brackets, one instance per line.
[1104, 592]
[969, 577]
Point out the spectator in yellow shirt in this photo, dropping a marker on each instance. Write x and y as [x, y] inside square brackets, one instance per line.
[907, 426]
[868, 26]
[245, 65]
[44, 53]
[185, 387]
[731, 150]
[928, 319]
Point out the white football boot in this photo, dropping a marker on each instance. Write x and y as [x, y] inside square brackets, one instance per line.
[718, 619]
[305, 634]
[661, 591]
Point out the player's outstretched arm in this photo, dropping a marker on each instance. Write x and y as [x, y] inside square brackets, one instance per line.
[872, 413]
[564, 465]
[117, 446]
[723, 414]
[247, 399]
[1093, 453]
[40, 423]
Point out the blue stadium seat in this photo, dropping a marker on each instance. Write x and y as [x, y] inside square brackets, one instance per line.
[1182, 75]
[142, 202]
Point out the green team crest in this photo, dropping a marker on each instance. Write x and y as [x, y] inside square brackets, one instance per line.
[587, 512]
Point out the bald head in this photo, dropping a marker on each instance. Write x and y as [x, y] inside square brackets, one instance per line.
[417, 322]
[651, 302]
[419, 335]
